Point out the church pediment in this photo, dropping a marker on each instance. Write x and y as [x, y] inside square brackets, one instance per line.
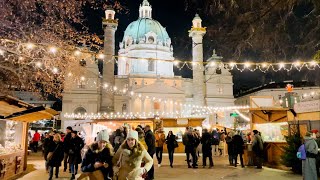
[159, 87]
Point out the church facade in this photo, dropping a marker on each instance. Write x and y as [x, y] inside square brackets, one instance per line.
[145, 73]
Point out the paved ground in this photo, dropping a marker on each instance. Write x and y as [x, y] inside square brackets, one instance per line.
[179, 171]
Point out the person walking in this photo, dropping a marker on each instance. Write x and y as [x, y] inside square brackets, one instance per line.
[99, 156]
[311, 147]
[238, 148]
[66, 147]
[55, 155]
[127, 160]
[160, 140]
[230, 147]
[171, 140]
[189, 143]
[35, 141]
[46, 144]
[141, 137]
[206, 141]
[76, 145]
[150, 141]
[118, 139]
[257, 148]
[215, 142]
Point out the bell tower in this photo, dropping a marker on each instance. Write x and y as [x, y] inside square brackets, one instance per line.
[110, 25]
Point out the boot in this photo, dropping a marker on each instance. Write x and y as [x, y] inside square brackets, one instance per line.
[72, 177]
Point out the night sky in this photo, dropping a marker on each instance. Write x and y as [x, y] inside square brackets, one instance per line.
[177, 20]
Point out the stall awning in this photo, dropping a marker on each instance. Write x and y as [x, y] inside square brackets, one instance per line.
[15, 109]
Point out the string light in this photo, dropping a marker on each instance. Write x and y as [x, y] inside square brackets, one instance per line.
[55, 70]
[101, 56]
[1, 52]
[38, 64]
[53, 49]
[30, 46]
[77, 53]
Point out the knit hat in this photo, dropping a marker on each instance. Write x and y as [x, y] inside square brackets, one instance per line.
[255, 131]
[74, 132]
[133, 134]
[103, 136]
[70, 128]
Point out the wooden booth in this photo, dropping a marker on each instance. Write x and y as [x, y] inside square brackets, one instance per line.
[178, 126]
[272, 122]
[15, 115]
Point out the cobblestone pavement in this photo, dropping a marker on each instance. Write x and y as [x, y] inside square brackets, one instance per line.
[179, 171]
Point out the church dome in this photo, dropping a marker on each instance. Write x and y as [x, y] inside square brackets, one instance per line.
[138, 30]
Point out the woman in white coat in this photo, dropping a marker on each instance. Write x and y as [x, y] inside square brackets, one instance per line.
[127, 161]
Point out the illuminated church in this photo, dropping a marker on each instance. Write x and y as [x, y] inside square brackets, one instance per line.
[145, 81]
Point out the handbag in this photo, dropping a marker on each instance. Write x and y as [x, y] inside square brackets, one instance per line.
[175, 144]
[50, 154]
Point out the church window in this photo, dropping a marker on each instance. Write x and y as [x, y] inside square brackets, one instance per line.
[150, 39]
[81, 85]
[151, 65]
[109, 16]
[145, 13]
[80, 110]
[198, 24]
[220, 90]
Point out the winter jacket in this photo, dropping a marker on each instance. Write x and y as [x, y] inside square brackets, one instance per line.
[238, 144]
[150, 141]
[57, 157]
[206, 142]
[230, 145]
[76, 145]
[257, 145]
[170, 142]
[130, 162]
[66, 142]
[94, 155]
[46, 145]
[160, 139]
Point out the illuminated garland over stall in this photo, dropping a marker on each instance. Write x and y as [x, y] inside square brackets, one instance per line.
[251, 66]
[197, 111]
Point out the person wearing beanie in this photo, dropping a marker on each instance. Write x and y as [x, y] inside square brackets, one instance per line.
[66, 148]
[76, 145]
[311, 148]
[127, 160]
[99, 156]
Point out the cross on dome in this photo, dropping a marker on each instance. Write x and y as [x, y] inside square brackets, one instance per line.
[145, 10]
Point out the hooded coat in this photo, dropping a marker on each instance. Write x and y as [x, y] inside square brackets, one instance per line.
[310, 172]
[94, 155]
[76, 145]
[130, 162]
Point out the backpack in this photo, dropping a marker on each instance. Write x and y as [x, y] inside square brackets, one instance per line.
[301, 154]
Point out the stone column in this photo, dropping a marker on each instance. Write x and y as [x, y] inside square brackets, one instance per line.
[107, 98]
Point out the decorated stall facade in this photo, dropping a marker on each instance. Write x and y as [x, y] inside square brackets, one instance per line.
[272, 122]
[15, 115]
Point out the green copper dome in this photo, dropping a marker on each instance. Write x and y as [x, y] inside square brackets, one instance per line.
[139, 28]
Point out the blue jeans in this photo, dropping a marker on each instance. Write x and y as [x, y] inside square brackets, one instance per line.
[74, 168]
[51, 171]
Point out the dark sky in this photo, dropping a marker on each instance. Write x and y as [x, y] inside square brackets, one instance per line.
[173, 16]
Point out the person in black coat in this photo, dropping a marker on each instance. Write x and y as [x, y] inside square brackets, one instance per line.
[99, 156]
[206, 141]
[151, 143]
[238, 149]
[75, 153]
[170, 140]
[56, 149]
[66, 146]
[230, 147]
[46, 144]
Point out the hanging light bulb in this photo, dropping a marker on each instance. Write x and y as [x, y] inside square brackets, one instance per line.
[55, 70]
[38, 64]
[30, 46]
[281, 65]
[53, 49]
[1, 52]
[297, 63]
[101, 56]
[176, 63]
[264, 65]
[77, 53]
[247, 64]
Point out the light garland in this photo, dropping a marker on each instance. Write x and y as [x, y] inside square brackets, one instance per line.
[180, 64]
[198, 112]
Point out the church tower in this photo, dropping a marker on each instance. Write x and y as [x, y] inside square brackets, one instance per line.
[196, 33]
[110, 25]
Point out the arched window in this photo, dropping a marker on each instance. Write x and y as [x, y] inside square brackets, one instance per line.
[109, 16]
[80, 110]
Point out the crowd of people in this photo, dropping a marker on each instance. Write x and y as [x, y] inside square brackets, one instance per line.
[127, 153]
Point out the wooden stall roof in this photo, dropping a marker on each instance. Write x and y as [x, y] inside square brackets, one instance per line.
[121, 120]
[268, 114]
[14, 109]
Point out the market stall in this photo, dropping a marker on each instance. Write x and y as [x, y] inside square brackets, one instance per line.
[178, 126]
[15, 115]
[272, 122]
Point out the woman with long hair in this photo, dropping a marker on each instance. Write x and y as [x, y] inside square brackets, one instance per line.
[170, 140]
[55, 155]
[127, 161]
